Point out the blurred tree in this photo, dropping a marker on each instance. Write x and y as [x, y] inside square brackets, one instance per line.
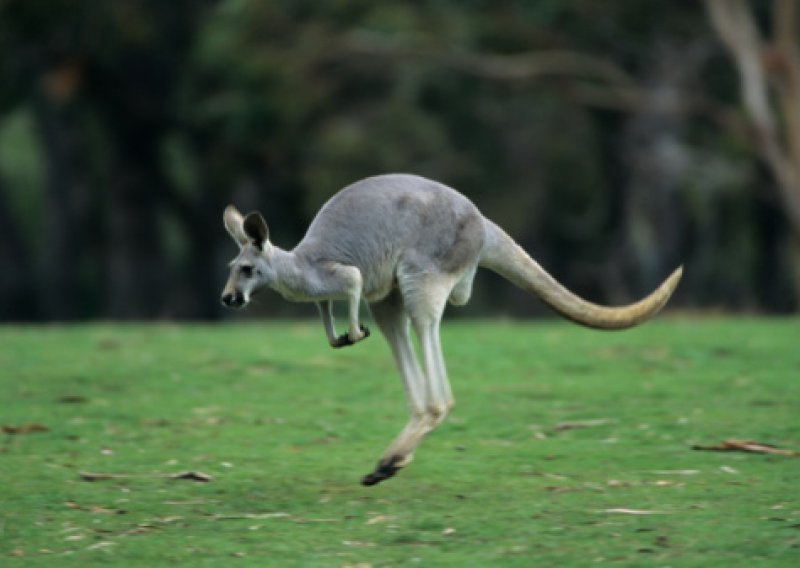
[599, 134]
[769, 71]
[16, 290]
[101, 80]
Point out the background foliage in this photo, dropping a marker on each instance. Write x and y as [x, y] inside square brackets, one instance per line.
[606, 137]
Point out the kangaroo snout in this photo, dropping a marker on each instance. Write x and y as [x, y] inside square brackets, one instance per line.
[233, 299]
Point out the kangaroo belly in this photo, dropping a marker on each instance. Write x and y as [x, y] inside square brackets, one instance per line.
[378, 292]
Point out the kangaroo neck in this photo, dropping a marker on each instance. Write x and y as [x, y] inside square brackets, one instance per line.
[291, 277]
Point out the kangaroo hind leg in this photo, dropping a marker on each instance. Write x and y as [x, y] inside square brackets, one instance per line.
[439, 399]
[393, 322]
[462, 291]
[424, 298]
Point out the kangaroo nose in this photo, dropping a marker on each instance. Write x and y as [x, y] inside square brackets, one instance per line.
[233, 300]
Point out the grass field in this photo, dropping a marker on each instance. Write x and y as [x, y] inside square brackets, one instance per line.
[567, 447]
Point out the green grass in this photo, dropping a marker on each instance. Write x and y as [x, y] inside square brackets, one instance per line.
[287, 426]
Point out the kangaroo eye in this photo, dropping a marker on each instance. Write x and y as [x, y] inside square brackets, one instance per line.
[247, 271]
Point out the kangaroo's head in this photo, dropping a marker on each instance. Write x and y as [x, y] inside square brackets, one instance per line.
[251, 269]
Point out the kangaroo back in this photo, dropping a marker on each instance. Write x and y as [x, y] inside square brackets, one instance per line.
[505, 257]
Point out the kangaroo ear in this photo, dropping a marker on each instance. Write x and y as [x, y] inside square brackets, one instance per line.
[256, 228]
[233, 223]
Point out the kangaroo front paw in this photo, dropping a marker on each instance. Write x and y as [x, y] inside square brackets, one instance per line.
[345, 339]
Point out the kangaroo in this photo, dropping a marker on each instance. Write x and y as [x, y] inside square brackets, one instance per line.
[407, 245]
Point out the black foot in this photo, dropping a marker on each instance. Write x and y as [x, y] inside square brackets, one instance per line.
[385, 470]
[344, 339]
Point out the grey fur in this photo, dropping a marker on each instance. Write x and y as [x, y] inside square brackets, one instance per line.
[407, 245]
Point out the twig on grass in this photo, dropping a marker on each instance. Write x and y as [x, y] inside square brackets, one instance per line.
[189, 475]
[732, 445]
[91, 476]
[95, 509]
[240, 516]
[274, 515]
[624, 511]
[575, 424]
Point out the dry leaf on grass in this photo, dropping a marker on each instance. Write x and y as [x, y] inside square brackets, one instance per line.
[732, 445]
[380, 519]
[72, 399]
[192, 476]
[25, 429]
[357, 543]
[101, 545]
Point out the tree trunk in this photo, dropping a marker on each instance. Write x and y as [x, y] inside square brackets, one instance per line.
[61, 222]
[769, 72]
[17, 282]
[136, 271]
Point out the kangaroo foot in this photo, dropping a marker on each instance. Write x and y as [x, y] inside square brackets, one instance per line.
[385, 469]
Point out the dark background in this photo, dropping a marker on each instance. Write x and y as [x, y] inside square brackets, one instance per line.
[611, 139]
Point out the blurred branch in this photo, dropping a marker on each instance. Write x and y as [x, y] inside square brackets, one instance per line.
[761, 65]
[517, 67]
[788, 85]
[736, 26]
[590, 81]
[738, 32]
[512, 68]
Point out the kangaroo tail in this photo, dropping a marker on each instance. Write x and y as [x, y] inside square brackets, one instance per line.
[502, 255]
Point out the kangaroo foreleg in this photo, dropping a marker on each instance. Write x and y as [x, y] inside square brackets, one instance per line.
[326, 311]
[343, 282]
[357, 331]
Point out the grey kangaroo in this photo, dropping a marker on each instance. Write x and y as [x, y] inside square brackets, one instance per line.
[407, 245]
